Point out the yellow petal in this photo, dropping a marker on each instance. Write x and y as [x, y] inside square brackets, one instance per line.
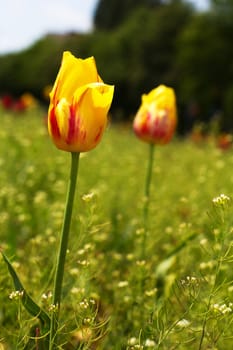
[163, 95]
[92, 108]
[74, 72]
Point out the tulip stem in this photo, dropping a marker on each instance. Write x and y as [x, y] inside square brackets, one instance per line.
[147, 197]
[61, 257]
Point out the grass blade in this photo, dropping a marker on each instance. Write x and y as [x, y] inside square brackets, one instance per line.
[27, 301]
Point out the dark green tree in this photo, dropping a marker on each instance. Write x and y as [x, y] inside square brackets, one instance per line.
[140, 54]
[205, 64]
[110, 14]
[31, 69]
[222, 4]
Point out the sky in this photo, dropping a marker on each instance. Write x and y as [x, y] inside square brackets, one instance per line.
[22, 22]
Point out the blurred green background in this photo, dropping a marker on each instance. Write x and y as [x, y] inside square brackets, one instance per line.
[139, 44]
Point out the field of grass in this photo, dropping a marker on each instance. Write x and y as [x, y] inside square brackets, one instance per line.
[179, 297]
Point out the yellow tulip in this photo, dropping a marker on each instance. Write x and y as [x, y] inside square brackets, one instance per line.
[156, 119]
[79, 104]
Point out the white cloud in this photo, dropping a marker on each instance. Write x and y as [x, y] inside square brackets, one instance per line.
[24, 21]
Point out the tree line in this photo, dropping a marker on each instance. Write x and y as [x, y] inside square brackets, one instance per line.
[139, 44]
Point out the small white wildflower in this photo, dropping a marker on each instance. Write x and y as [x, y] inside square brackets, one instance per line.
[22, 217]
[117, 256]
[203, 241]
[207, 265]
[183, 323]
[46, 296]
[149, 343]
[92, 301]
[88, 246]
[190, 280]
[53, 308]
[52, 239]
[84, 304]
[152, 292]
[203, 266]
[126, 299]
[88, 320]
[88, 197]
[74, 271]
[132, 341]
[81, 251]
[168, 229]
[216, 231]
[223, 309]
[16, 264]
[130, 257]
[183, 225]
[123, 284]
[83, 262]
[215, 306]
[222, 200]
[16, 294]
[140, 262]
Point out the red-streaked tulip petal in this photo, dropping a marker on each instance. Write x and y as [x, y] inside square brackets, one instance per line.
[79, 104]
[155, 121]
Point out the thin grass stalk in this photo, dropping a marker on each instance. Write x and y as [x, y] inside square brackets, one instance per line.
[147, 198]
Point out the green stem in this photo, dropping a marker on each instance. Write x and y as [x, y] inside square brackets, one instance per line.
[147, 197]
[212, 293]
[63, 249]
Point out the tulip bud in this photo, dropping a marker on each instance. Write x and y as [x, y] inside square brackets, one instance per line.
[79, 104]
[156, 119]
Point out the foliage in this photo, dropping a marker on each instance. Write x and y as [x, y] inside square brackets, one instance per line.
[150, 43]
[136, 66]
[180, 296]
[105, 17]
[204, 69]
[35, 68]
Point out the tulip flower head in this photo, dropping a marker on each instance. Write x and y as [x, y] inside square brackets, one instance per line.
[156, 119]
[79, 104]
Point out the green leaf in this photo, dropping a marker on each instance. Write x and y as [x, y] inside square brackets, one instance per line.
[27, 301]
[170, 259]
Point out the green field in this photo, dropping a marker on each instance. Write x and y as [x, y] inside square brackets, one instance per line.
[179, 297]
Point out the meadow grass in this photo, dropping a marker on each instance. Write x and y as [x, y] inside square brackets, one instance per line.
[180, 296]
